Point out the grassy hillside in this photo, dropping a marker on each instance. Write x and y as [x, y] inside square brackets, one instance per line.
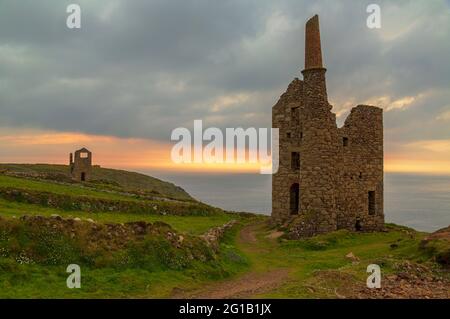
[45, 197]
[84, 197]
[334, 265]
[195, 225]
[120, 261]
[131, 242]
[251, 261]
[103, 178]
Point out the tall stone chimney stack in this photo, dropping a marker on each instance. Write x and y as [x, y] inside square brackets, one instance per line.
[329, 178]
[313, 49]
[315, 88]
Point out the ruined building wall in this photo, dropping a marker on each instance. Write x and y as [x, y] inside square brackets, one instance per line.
[81, 165]
[362, 157]
[285, 115]
[319, 182]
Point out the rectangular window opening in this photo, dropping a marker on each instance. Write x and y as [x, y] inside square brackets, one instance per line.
[371, 203]
[295, 113]
[345, 141]
[295, 160]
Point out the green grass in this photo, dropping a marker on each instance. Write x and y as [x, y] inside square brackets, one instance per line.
[305, 259]
[149, 268]
[119, 180]
[318, 262]
[51, 187]
[72, 197]
[154, 268]
[35, 281]
[188, 224]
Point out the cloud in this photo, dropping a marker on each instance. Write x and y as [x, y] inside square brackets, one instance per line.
[44, 146]
[138, 69]
[422, 156]
[445, 116]
[388, 104]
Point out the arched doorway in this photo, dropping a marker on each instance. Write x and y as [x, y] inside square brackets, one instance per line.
[294, 199]
[83, 176]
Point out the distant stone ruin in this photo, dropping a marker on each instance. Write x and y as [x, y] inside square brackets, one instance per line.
[81, 165]
[329, 178]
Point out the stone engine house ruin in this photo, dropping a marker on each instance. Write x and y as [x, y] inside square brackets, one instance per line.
[329, 178]
[81, 165]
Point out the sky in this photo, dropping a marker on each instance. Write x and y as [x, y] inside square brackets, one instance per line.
[138, 69]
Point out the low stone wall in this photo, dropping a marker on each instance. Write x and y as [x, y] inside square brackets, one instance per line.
[93, 204]
[213, 235]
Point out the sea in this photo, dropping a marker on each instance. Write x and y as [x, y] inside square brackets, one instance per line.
[418, 201]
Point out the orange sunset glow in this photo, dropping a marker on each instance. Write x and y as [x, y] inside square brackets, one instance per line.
[39, 146]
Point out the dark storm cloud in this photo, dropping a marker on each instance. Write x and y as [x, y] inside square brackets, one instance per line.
[142, 68]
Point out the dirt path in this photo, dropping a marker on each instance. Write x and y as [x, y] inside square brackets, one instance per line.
[247, 285]
[244, 286]
[247, 234]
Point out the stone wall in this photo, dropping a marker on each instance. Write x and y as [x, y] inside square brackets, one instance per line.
[215, 234]
[285, 115]
[362, 160]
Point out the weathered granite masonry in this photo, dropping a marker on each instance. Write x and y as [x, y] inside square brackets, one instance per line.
[329, 178]
[81, 165]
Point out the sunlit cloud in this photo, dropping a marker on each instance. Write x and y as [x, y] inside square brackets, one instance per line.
[40, 146]
[390, 104]
[436, 146]
[427, 156]
[228, 101]
[419, 166]
[445, 116]
[28, 138]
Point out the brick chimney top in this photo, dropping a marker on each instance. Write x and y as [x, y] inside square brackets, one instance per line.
[313, 50]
